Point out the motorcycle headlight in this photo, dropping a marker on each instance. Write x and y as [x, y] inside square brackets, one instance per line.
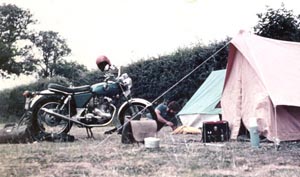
[128, 82]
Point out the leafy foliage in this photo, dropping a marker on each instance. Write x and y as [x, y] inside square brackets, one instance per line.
[14, 23]
[155, 76]
[278, 24]
[18, 45]
[12, 102]
[71, 70]
[52, 48]
[91, 77]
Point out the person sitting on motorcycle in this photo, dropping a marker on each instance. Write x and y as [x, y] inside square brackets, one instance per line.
[166, 115]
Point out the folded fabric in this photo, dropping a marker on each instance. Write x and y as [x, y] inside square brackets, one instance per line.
[186, 130]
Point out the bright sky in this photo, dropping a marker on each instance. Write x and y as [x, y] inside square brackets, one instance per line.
[128, 30]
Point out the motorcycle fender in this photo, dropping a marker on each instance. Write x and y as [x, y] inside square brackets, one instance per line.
[39, 97]
[134, 100]
[116, 120]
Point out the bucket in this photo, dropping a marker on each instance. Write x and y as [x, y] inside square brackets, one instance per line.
[151, 142]
[254, 134]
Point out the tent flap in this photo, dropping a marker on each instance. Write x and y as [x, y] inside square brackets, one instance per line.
[206, 98]
[202, 105]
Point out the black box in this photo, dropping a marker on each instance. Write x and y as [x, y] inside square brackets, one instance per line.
[215, 131]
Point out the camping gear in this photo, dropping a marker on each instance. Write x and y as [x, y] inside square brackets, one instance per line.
[263, 81]
[138, 130]
[23, 132]
[56, 109]
[215, 131]
[62, 137]
[254, 134]
[204, 105]
[12, 133]
[152, 142]
[186, 130]
[20, 132]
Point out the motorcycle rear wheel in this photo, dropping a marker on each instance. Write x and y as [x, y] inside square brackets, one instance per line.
[47, 123]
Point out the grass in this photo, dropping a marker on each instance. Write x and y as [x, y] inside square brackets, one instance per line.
[178, 155]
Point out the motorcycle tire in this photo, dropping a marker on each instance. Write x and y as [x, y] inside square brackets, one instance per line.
[136, 111]
[47, 124]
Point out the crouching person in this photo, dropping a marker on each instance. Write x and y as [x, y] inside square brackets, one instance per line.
[166, 115]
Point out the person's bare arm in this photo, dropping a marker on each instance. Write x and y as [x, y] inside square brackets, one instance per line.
[161, 119]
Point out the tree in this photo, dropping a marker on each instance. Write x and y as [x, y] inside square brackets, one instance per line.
[71, 70]
[278, 24]
[52, 48]
[14, 23]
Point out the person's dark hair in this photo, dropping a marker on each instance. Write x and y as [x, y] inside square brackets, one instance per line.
[174, 106]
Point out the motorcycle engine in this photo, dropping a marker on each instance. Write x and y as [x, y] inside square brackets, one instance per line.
[99, 111]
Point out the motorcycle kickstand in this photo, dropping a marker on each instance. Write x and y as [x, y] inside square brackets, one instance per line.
[89, 133]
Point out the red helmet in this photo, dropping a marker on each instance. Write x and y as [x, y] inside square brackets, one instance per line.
[102, 61]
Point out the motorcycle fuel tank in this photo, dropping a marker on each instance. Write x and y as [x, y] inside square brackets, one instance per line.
[106, 89]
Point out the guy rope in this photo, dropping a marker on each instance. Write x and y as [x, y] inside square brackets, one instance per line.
[173, 86]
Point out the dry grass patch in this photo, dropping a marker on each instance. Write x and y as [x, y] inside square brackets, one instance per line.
[178, 155]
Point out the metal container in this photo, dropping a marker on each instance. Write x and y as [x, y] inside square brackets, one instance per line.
[254, 134]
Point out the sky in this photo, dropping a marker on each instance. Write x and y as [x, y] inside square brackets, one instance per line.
[128, 30]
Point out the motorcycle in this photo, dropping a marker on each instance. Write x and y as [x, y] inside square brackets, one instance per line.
[56, 109]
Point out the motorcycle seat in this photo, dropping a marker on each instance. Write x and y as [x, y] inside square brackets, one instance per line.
[60, 88]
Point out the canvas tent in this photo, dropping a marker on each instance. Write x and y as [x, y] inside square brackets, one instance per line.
[202, 106]
[262, 83]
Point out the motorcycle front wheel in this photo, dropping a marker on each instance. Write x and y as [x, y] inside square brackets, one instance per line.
[136, 111]
[50, 124]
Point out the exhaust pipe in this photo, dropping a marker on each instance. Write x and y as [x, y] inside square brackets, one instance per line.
[52, 113]
[72, 120]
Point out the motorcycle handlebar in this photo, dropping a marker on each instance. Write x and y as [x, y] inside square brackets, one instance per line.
[111, 75]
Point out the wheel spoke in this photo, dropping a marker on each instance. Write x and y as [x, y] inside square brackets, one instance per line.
[49, 123]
